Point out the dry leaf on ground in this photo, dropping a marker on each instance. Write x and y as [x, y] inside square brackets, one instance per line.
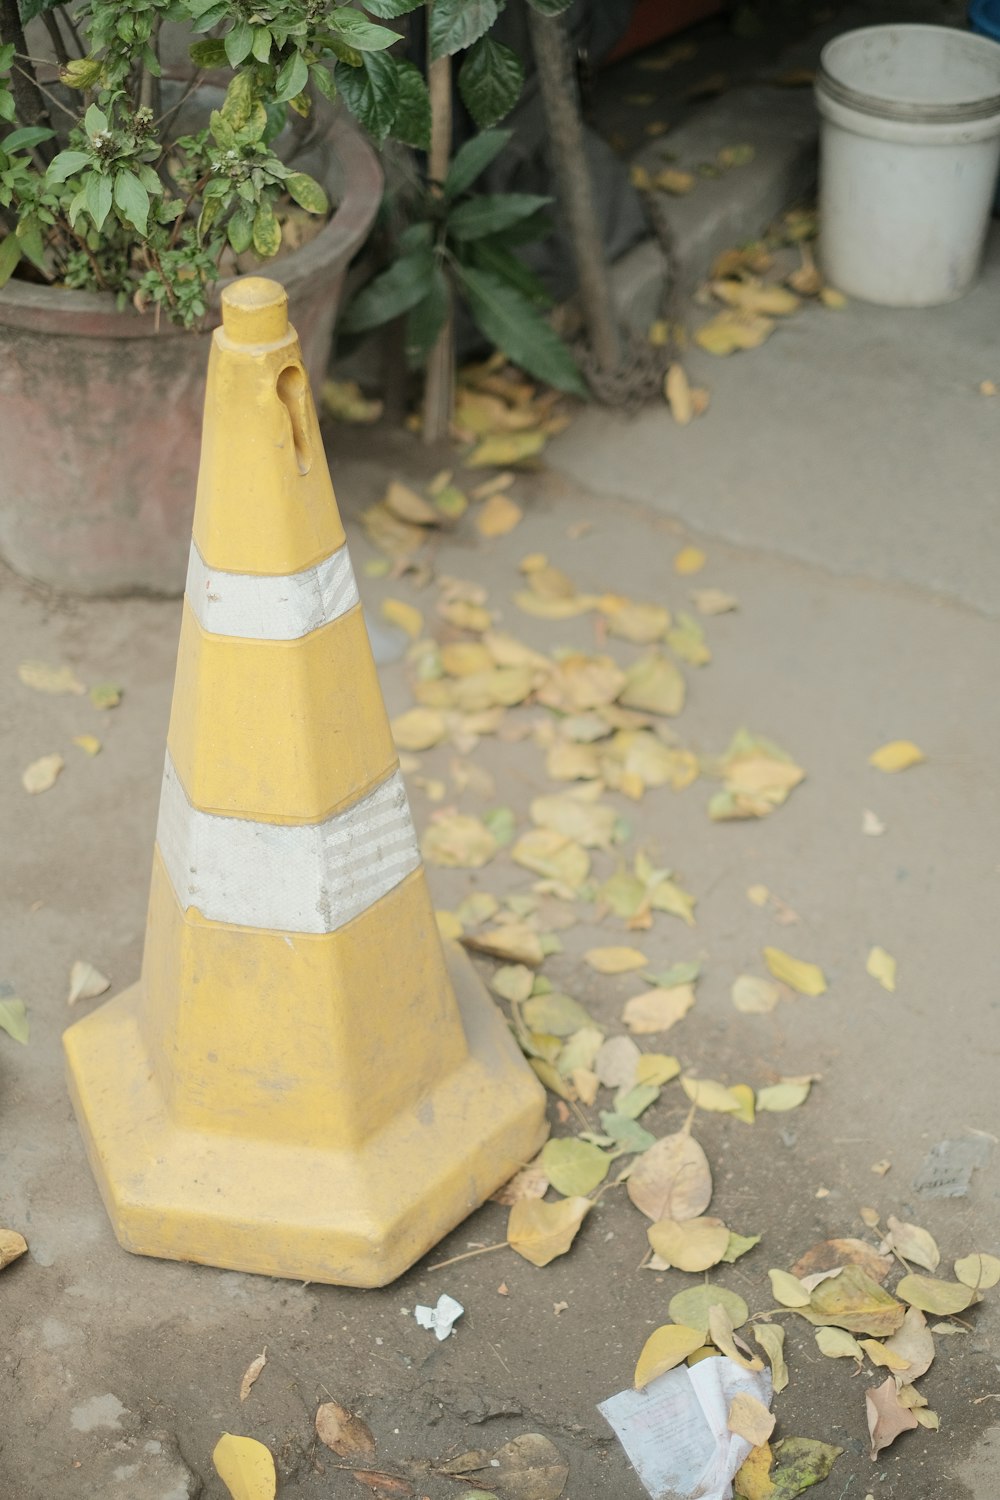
[882, 966]
[788, 1289]
[45, 679]
[978, 1271]
[689, 1244]
[529, 1467]
[658, 1009]
[574, 1167]
[692, 1305]
[541, 1231]
[788, 1094]
[457, 841]
[753, 996]
[343, 1432]
[406, 616]
[345, 400]
[897, 755]
[12, 1247]
[529, 1182]
[42, 774]
[665, 1348]
[800, 1463]
[713, 601]
[251, 1372]
[729, 331]
[707, 1094]
[418, 729]
[689, 560]
[886, 1417]
[13, 1016]
[88, 743]
[800, 975]
[518, 943]
[912, 1243]
[654, 684]
[914, 1343]
[406, 505]
[615, 960]
[771, 1339]
[245, 1467]
[720, 1331]
[752, 1480]
[854, 1301]
[829, 1255]
[85, 982]
[942, 1298]
[672, 1179]
[617, 1062]
[837, 1343]
[750, 1418]
[498, 516]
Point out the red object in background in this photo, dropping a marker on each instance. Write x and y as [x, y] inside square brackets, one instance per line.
[653, 20]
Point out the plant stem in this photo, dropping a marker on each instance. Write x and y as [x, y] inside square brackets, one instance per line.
[439, 384]
[550, 44]
[56, 37]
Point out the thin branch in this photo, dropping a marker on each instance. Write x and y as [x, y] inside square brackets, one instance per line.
[483, 1250]
[56, 36]
[165, 120]
[53, 98]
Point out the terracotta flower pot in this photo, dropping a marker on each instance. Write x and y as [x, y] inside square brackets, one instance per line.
[100, 413]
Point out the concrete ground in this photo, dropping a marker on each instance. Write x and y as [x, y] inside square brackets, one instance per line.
[120, 1373]
[842, 488]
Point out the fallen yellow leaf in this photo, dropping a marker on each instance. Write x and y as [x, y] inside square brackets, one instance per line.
[406, 616]
[750, 1418]
[707, 1094]
[88, 743]
[499, 515]
[615, 960]
[897, 755]
[730, 331]
[42, 774]
[677, 390]
[45, 679]
[882, 966]
[418, 729]
[502, 448]
[541, 1231]
[689, 1244]
[665, 1348]
[689, 560]
[345, 400]
[458, 841]
[788, 1289]
[12, 1246]
[806, 978]
[245, 1467]
[406, 505]
[658, 1009]
[779, 1097]
[771, 1339]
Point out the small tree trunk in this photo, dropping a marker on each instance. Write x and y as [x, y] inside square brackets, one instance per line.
[28, 101]
[550, 44]
[439, 384]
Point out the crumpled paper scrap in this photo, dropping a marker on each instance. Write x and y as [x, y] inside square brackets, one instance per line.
[441, 1318]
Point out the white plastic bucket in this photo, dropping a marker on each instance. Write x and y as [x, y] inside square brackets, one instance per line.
[909, 149]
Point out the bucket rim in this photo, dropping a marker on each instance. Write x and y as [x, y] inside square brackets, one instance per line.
[915, 111]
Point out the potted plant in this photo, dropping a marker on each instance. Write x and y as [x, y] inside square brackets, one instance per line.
[128, 189]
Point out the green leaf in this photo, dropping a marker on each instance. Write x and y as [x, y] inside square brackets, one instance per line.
[511, 323]
[81, 72]
[8, 109]
[95, 121]
[391, 293]
[239, 229]
[132, 200]
[371, 92]
[97, 191]
[238, 42]
[387, 10]
[7, 52]
[454, 24]
[472, 159]
[425, 321]
[489, 213]
[14, 1017]
[490, 81]
[239, 101]
[25, 138]
[573, 1167]
[799, 1464]
[266, 232]
[323, 79]
[293, 75]
[412, 124]
[307, 192]
[209, 15]
[10, 255]
[222, 132]
[211, 53]
[261, 48]
[359, 32]
[29, 236]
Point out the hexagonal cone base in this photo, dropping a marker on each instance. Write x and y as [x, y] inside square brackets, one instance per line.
[358, 1216]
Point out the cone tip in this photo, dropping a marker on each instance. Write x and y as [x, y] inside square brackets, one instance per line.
[255, 310]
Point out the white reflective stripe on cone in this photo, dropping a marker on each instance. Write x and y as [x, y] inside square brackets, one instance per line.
[312, 877]
[270, 607]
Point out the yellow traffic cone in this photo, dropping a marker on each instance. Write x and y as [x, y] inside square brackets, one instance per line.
[303, 1083]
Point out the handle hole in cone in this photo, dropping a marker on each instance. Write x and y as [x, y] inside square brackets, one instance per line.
[293, 390]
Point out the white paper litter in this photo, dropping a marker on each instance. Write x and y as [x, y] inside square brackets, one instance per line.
[441, 1318]
[676, 1431]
